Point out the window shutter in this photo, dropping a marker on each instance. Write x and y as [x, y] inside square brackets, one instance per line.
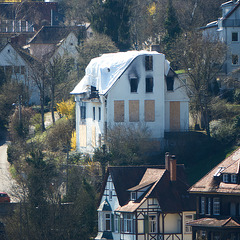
[112, 221]
[146, 224]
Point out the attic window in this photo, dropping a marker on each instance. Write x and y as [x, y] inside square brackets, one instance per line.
[225, 178]
[134, 84]
[233, 178]
[148, 63]
[133, 196]
[170, 83]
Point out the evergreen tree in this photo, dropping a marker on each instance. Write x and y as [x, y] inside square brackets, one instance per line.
[171, 23]
[111, 17]
[172, 29]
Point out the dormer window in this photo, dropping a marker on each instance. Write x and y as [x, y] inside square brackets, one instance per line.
[133, 196]
[225, 178]
[170, 83]
[233, 178]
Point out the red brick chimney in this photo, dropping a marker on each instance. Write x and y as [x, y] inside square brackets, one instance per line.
[171, 165]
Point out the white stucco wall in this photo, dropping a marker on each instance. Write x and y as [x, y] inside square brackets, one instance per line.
[10, 57]
[121, 91]
[68, 46]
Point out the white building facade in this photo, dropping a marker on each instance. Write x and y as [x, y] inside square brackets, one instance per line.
[227, 30]
[135, 87]
[14, 63]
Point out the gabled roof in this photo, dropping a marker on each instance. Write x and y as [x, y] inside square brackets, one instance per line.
[215, 23]
[28, 58]
[214, 223]
[172, 196]
[105, 206]
[231, 11]
[50, 35]
[209, 183]
[102, 72]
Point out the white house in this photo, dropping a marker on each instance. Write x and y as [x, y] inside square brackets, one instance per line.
[146, 203]
[15, 63]
[128, 87]
[227, 30]
[51, 41]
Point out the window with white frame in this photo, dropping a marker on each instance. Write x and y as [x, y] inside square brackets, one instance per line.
[188, 218]
[107, 222]
[203, 204]
[233, 178]
[152, 223]
[128, 226]
[133, 196]
[216, 206]
[225, 178]
[104, 223]
[116, 221]
[209, 206]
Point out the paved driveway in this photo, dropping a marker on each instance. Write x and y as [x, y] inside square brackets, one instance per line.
[6, 182]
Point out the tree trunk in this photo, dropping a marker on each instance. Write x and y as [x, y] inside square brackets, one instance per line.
[42, 108]
[52, 104]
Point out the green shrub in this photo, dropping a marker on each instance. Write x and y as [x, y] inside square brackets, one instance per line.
[237, 96]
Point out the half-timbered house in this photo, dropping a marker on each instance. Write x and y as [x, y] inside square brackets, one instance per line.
[218, 202]
[145, 203]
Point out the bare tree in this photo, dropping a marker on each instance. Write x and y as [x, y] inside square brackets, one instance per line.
[202, 59]
[39, 75]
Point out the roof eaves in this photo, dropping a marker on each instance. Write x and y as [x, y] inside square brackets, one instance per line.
[230, 13]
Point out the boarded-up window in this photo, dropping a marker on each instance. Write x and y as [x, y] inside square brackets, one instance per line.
[83, 135]
[149, 110]
[133, 110]
[174, 116]
[119, 111]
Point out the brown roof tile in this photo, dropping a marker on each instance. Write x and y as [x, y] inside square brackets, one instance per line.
[211, 182]
[172, 196]
[213, 222]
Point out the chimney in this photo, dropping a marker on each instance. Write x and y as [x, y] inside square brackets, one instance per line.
[167, 161]
[173, 168]
[155, 48]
